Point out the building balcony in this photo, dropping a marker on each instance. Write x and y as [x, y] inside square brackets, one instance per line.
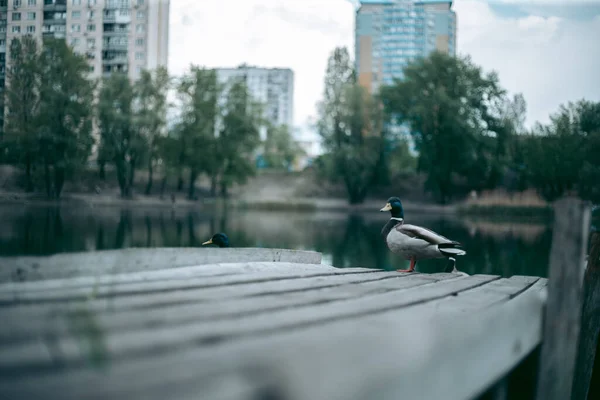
[115, 46]
[123, 19]
[55, 5]
[57, 21]
[56, 35]
[115, 33]
[115, 61]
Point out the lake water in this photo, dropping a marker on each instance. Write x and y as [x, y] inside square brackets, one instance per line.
[346, 240]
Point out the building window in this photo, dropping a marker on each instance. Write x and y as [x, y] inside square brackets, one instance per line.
[75, 14]
[91, 68]
[139, 56]
[2, 42]
[16, 29]
[141, 14]
[140, 2]
[31, 16]
[2, 29]
[74, 42]
[139, 28]
[92, 14]
[91, 28]
[139, 42]
[31, 29]
[32, 2]
[75, 28]
[17, 3]
[76, 2]
[91, 42]
[16, 16]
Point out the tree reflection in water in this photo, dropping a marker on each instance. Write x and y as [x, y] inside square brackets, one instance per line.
[346, 240]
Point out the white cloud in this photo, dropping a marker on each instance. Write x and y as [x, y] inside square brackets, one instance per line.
[551, 60]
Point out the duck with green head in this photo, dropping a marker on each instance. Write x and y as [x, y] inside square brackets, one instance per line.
[415, 242]
[218, 239]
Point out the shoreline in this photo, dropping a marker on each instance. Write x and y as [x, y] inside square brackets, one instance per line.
[272, 204]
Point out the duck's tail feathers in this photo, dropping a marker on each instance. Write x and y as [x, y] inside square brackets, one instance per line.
[451, 249]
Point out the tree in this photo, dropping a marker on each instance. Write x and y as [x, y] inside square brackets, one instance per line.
[350, 123]
[151, 112]
[280, 149]
[199, 92]
[122, 142]
[22, 106]
[65, 113]
[562, 156]
[453, 111]
[238, 137]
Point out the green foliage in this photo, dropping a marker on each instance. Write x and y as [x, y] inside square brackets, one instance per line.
[199, 93]
[151, 111]
[122, 141]
[454, 114]
[20, 144]
[280, 149]
[65, 131]
[49, 112]
[350, 124]
[238, 137]
[562, 157]
[400, 158]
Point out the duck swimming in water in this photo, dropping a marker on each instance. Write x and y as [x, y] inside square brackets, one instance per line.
[218, 239]
[415, 242]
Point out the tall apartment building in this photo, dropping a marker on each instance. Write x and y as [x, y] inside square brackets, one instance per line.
[114, 35]
[390, 33]
[274, 87]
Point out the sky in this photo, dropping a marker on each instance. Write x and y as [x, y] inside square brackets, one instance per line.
[547, 50]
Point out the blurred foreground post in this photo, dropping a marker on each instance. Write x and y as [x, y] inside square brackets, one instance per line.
[590, 322]
[562, 320]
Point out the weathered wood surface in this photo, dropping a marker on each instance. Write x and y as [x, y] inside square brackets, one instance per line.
[590, 323]
[136, 260]
[258, 330]
[563, 311]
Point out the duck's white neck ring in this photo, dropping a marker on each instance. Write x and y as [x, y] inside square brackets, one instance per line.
[398, 219]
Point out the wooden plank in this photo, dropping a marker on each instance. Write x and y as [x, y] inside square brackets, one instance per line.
[135, 260]
[168, 338]
[162, 299]
[284, 271]
[485, 296]
[205, 272]
[590, 323]
[176, 273]
[343, 359]
[21, 327]
[500, 390]
[563, 311]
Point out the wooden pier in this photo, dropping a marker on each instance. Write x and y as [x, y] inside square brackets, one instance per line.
[269, 324]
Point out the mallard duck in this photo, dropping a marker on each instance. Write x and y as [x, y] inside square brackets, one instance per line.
[218, 239]
[415, 242]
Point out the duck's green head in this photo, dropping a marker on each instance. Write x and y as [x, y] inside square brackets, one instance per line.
[219, 239]
[394, 206]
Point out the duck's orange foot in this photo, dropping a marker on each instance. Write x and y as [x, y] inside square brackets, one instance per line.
[413, 264]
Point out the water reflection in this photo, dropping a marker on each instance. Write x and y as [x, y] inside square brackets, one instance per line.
[503, 247]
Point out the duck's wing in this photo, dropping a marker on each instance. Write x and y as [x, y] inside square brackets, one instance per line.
[425, 234]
